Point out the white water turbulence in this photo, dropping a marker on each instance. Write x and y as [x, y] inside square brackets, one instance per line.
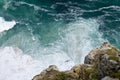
[6, 25]
[15, 65]
[80, 37]
[76, 41]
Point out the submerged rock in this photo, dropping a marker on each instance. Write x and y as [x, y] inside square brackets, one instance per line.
[102, 63]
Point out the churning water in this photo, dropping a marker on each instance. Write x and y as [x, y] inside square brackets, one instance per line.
[37, 33]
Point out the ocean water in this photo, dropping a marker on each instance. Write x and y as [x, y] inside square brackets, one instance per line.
[37, 33]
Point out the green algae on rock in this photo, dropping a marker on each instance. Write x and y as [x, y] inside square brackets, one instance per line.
[102, 63]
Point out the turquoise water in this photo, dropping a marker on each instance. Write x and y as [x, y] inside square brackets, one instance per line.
[71, 26]
[37, 33]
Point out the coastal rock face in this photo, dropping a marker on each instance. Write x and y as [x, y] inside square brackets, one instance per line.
[105, 59]
[102, 63]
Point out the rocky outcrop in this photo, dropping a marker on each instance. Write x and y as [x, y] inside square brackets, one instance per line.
[105, 59]
[52, 73]
[102, 63]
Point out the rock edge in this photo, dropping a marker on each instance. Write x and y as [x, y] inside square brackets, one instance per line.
[102, 63]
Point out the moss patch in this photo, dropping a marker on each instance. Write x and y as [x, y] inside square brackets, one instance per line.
[113, 58]
[56, 75]
[115, 75]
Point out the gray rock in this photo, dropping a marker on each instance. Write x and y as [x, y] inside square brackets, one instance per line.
[52, 67]
[105, 59]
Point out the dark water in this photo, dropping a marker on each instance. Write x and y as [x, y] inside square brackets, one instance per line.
[46, 23]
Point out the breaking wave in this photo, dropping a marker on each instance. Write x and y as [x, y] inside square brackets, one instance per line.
[75, 41]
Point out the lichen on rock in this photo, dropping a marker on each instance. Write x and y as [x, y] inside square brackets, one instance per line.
[102, 63]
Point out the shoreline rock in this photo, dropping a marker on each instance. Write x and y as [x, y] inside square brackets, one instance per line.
[102, 63]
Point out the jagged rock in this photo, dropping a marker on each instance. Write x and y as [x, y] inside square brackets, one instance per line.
[105, 59]
[83, 70]
[43, 73]
[102, 63]
[52, 73]
[52, 67]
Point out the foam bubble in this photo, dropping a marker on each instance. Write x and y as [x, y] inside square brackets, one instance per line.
[6, 25]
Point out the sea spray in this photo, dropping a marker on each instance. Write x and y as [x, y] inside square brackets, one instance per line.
[80, 37]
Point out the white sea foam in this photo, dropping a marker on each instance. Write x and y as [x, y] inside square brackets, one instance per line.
[6, 25]
[14, 65]
[77, 40]
[80, 37]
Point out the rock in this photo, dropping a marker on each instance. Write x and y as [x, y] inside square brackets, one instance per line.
[52, 67]
[109, 78]
[83, 71]
[102, 63]
[106, 59]
[104, 49]
[52, 73]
